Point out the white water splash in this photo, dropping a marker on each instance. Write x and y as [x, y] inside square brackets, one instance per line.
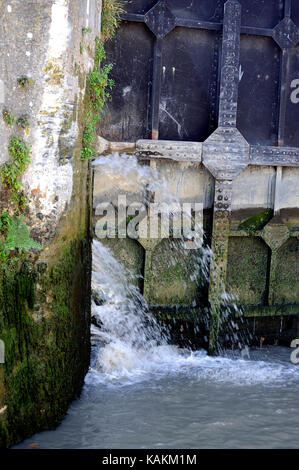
[127, 174]
[120, 314]
[128, 342]
[130, 347]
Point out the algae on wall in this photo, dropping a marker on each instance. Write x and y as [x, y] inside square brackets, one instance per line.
[44, 326]
[44, 294]
[286, 275]
[45, 278]
[247, 269]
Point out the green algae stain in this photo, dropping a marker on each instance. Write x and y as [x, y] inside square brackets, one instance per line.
[44, 318]
[257, 221]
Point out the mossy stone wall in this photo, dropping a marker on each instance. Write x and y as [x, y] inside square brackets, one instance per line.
[247, 269]
[175, 275]
[44, 325]
[45, 294]
[287, 273]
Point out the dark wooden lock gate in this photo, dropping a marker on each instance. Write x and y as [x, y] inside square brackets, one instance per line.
[224, 75]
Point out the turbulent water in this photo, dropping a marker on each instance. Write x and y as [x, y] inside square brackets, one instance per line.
[186, 401]
[142, 392]
[126, 337]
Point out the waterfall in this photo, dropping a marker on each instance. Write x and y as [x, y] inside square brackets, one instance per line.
[129, 346]
[122, 325]
[125, 335]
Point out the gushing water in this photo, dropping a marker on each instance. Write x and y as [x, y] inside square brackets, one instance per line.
[123, 326]
[128, 340]
[142, 392]
[130, 346]
[126, 174]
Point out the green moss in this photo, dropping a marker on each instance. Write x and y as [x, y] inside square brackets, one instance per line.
[175, 277]
[5, 221]
[17, 281]
[287, 273]
[258, 221]
[23, 121]
[96, 95]
[87, 150]
[86, 30]
[8, 117]
[247, 268]
[10, 171]
[24, 81]
[20, 157]
[111, 10]
[17, 237]
[97, 83]
[44, 324]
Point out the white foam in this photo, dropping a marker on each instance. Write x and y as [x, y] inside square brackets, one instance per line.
[128, 342]
[131, 348]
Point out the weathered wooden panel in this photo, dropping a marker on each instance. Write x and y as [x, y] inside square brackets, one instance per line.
[138, 6]
[223, 75]
[188, 91]
[204, 11]
[261, 13]
[126, 114]
[258, 103]
[295, 12]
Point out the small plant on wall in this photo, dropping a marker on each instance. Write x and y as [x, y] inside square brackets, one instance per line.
[98, 81]
[111, 10]
[14, 233]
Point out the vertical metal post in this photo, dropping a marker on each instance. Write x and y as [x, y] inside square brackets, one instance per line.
[223, 192]
[228, 104]
[229, 83]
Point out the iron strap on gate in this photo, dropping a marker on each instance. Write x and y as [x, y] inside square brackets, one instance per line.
[226, 152]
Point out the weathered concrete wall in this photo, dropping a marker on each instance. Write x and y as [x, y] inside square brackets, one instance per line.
[45, 295]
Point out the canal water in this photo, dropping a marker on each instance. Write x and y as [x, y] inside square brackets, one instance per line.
[142, 392]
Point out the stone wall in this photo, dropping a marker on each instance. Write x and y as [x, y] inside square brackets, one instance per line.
[46, 50]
